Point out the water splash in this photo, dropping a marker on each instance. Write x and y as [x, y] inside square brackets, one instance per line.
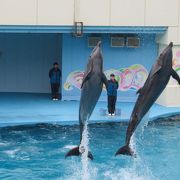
[140, 166]
[84, 148]
[136, 168]
[144, 123]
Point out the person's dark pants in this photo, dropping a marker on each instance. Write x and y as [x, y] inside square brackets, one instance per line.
[55, 90]
[111, 104]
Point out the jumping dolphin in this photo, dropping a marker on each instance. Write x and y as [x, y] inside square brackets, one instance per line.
[90, 92]
[148, 94]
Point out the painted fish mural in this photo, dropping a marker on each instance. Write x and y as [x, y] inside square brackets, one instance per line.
[132, 77]
[74, 79]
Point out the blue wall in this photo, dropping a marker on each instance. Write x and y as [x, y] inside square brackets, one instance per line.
[75, 53]
[25, 60]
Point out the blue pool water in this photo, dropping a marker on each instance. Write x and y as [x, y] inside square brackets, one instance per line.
[37, 152]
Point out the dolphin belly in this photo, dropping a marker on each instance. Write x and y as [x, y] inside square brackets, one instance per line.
[149, 96]
[90, 95]
[144, 102]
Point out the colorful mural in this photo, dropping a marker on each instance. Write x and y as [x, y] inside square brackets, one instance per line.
[178, 54]
[132, 77]
[177, 68]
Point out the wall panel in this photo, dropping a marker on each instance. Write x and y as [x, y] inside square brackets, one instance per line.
[162, 12]
[94, 12]
[55, 12]
[127, 12]
[18, 12]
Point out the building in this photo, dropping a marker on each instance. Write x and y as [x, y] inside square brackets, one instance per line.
[35, 33]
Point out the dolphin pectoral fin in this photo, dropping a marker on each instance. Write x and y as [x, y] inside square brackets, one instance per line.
[139, 91]
[85, 79]
[88, 73]
[175, 76]
[75, 152]
[125, 150]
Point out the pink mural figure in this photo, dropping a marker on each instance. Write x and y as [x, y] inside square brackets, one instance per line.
[74, 79]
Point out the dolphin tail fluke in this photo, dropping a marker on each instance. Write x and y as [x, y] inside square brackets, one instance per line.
[75, 152]
[90, 156]
[125, 150]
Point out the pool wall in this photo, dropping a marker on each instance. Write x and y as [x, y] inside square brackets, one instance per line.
[25, 108]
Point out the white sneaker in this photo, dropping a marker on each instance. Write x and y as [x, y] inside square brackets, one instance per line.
[109, 114]
[54, 99]
[113, 114]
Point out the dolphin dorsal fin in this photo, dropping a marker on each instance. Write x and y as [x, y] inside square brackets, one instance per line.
[104, 80]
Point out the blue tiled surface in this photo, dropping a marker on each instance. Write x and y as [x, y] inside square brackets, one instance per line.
[19, 108]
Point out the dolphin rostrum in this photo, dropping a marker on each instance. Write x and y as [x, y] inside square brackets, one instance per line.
[91, 89]
[148, 94]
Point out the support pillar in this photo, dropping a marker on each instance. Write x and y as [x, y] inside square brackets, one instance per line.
[170, 97]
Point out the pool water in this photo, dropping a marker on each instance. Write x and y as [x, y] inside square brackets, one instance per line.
[37, 152]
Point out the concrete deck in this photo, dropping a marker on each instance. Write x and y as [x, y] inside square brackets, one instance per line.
[20, 108]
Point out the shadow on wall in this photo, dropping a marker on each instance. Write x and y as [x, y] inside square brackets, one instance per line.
[25, 60]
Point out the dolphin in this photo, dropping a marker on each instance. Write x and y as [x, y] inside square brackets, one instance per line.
[91, 89]
[156, 82]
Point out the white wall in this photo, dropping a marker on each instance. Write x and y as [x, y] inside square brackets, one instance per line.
[162, 12]
[91, 12]
[25, 60]
[55, 12]
[127, 12]
[171, 95]
[18, 12]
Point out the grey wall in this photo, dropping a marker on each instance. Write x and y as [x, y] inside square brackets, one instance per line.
[25, 60]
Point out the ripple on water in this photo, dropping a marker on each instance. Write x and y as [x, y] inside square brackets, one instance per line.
[37, 152]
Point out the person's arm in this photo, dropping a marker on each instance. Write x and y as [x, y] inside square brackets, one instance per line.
[60, 73]
[117, 85]
[50, 73]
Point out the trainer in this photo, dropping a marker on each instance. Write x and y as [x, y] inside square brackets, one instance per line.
[55, 77]
[112, 94]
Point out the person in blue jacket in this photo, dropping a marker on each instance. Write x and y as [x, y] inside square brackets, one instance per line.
[55, 77]
[112, 94]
